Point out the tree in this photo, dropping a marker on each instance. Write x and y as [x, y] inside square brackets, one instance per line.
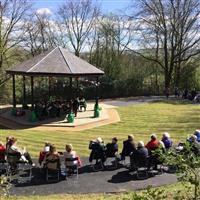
[12, 13]
[172, 29]
[112, 31]
[78, 18]
[41, 33]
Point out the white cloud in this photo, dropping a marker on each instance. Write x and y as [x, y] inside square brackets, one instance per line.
[44, 11]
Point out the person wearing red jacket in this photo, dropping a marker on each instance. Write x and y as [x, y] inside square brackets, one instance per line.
[153, 143]
[2, 151]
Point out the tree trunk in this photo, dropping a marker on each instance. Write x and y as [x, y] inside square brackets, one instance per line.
[167, 80]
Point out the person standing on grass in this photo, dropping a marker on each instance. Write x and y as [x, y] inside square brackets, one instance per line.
[177, 92]
[167, 92]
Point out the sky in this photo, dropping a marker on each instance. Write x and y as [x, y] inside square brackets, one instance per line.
[107, 6]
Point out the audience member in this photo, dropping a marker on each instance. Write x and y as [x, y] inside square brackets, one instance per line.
[156, 156]
[195, 145]
[112, 148]
[71, 154]
[197, 133]
[2, 152]
[166, 140]
[98, 150]
[153, 143]
[19, 154]
[128, 147]
[139, 156]
[52, 159]
[44, 152]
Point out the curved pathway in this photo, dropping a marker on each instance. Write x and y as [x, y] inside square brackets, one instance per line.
[107, 181]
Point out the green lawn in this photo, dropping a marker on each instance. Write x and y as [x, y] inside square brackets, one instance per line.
[170, 190]
[179, 119]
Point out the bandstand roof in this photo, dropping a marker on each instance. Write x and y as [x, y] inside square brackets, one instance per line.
[55, 62]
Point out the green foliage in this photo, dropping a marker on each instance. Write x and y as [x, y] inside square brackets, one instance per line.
[149, 194]
[187, 165]
[4, 186]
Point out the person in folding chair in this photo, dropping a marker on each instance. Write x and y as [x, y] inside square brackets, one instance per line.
[157, 157]
[3, 164]
[98, 153]
[72, 161]
[128, 148]
[43, 153]
[139, 160]
[52, 165]
[112, 151]
[16, 155]
[2, 152]
[19, 161]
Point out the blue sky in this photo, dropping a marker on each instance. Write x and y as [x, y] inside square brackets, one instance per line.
[106, 5]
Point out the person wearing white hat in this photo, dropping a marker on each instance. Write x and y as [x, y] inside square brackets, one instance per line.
[166, 140]
[98, 150]
[197, 133]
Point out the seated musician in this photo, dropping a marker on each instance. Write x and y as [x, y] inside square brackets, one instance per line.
[82, 103]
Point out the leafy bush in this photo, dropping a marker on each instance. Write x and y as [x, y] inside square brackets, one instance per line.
[4, 186]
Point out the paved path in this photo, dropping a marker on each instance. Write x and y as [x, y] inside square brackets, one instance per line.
[107, 181]
[133, 100]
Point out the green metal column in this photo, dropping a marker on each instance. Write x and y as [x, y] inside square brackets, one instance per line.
[70, 116]
[33, 114]
[32, 93]
[96, 106]
[24, 91]
[14, 94]
[49, 87]
[14, 110]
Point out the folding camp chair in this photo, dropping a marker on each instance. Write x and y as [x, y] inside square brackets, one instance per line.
[52, 170]
[98, 165]
[141, 166]
[71, 166]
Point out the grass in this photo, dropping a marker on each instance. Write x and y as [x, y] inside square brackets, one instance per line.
[170, 190]
[180, 120]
